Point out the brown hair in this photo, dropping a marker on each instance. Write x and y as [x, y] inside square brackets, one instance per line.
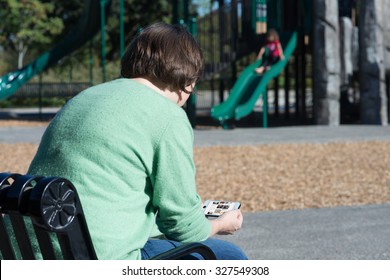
[164, 52]
[273, 32]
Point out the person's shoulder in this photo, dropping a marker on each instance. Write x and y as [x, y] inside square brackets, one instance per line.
[105, 87]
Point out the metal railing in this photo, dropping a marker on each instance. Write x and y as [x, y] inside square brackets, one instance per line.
[61, 90]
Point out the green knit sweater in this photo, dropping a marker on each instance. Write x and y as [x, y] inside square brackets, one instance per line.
[129, 152]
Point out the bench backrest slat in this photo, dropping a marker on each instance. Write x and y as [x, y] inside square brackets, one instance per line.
[5, 242]
[22, 237]
[65, 245]
[45, 243]
[44, 219]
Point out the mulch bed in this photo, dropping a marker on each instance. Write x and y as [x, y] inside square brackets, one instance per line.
[276, 177]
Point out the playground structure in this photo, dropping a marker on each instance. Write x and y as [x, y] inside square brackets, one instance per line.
[229, 36]
[338, 73]
[241, 27]
[249, 87]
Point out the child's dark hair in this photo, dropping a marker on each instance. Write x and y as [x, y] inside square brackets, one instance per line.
[164, 52]
[274, 33]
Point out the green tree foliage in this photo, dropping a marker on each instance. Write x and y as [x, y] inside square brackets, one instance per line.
[70, 12]
[36, 25]
[26, 24]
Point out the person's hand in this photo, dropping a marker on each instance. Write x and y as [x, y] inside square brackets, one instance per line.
[227, 223]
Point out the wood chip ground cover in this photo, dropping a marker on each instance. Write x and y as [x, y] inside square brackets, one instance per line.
[276, 177]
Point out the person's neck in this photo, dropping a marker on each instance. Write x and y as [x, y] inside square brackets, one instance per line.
[159, 87]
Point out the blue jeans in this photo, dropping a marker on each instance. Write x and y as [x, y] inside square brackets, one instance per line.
[222, 249]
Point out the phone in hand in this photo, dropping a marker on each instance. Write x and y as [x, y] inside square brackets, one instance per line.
[215, 208]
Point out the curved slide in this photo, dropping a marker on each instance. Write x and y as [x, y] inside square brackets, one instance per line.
[87, 27]
[250, 86]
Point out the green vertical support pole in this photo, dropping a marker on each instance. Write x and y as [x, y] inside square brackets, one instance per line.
[186, 11]
[175, 11]
[218, 44]
[178, 12]
[278, 14]
[235, 38]
[265, 109]
[254, 14]
[103, 35]
[71, 71]
[40, 97]
[276, 80]
[121, 28]
[91, 62]
[191, 102]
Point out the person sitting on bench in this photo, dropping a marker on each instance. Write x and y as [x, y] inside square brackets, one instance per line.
[127, 146]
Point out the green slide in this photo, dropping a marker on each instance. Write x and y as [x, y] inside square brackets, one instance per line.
[86, 28]
[250, 86]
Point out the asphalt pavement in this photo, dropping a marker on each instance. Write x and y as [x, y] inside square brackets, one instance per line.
[341, 233]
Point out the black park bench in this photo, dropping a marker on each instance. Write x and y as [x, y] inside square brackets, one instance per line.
[42, 218]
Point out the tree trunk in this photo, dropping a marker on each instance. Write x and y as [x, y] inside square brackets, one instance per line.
[373, 98]
[22, 50]
[326, 62]
[346, 67]
[386, 21]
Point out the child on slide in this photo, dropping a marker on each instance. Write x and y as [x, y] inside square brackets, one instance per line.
[274, 54]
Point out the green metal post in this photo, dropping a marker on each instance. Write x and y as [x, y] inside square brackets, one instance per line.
[175, 11]
[40, 97]
[91, 62]
[186, 11]
[103, 35]
[265, 109]
[253, 16]
[191, 102]
[181, 11]
[278, 14]
[122, 28]
[178, 11]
